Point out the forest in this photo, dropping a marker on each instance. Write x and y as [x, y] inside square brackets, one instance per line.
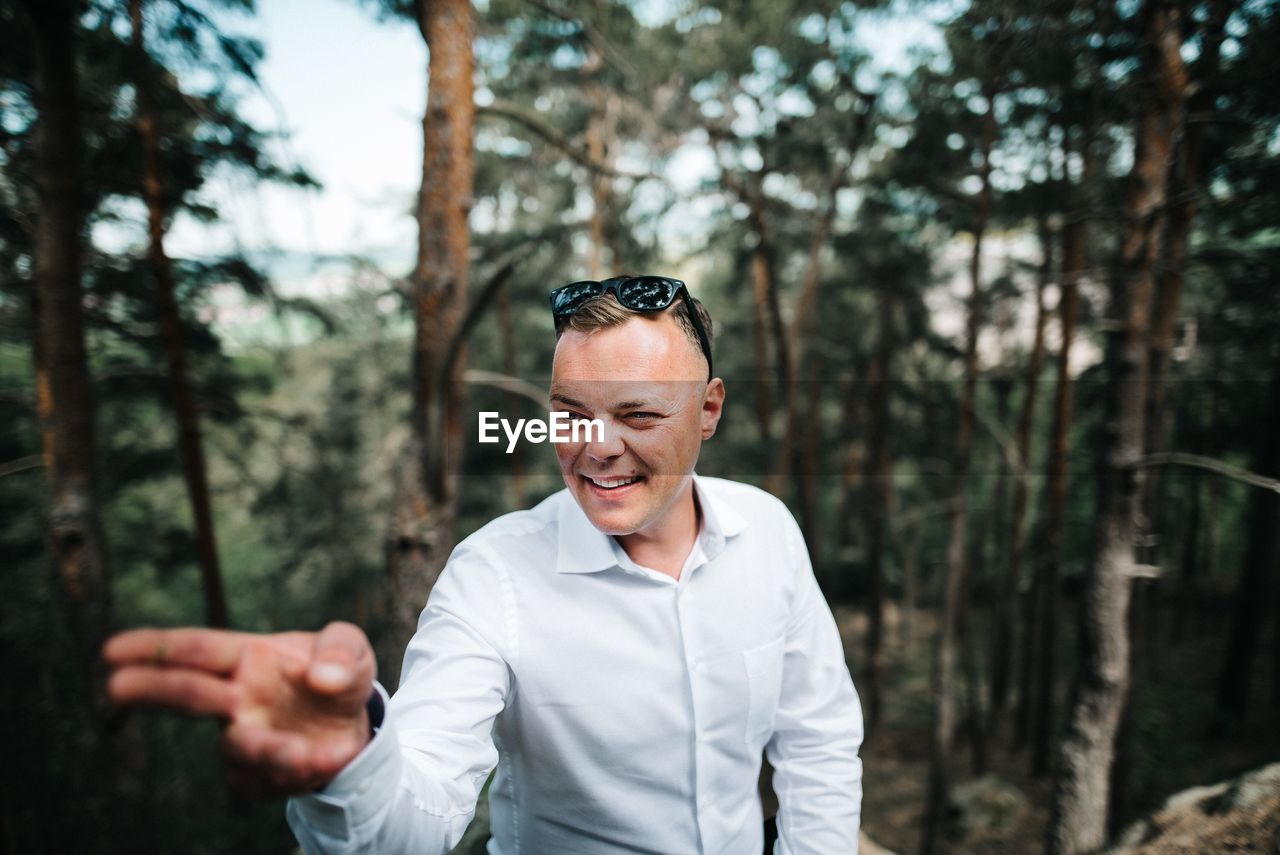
[996, 313]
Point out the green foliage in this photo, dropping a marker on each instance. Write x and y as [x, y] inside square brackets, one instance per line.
[797, 119]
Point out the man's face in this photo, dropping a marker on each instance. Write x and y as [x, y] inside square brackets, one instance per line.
[647, 382]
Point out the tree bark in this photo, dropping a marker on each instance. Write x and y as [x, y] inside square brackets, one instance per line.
[1275, 651]
[761, 284]
[791, 453]
[1189, 567]
[601, 132]
[1002, 638]
[66, 405]
[1079, 819]
[1261, 563]
[808, 457]
[517, 493]
[769, 326]
[851, 464]
[1187, 178]
[76, 537]
[910, 555]
[878, 488]
[1040, 624]
[974, 722]
[186, 414]
[424, 517]
[957, 552]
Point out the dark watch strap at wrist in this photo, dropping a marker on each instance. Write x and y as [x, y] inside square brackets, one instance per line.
[377, 711]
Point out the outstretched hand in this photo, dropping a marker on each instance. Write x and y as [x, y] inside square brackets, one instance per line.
[293, 703]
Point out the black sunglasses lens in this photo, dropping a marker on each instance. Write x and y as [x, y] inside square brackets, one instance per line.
[647, 293]
[566, 300]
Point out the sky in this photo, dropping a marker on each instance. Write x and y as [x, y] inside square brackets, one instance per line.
[350, 92]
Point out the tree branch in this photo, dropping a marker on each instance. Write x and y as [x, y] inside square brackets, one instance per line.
[1209, 464]
[510, 110]
[514, 385]
[31, 461]
[597, 39]
[491, 287]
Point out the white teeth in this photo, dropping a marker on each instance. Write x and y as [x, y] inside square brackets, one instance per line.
[609, 484]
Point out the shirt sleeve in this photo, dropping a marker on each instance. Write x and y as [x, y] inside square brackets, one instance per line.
[817, 773]
[415, 786]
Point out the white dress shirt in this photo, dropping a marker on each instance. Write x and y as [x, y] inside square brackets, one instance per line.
[626, 711]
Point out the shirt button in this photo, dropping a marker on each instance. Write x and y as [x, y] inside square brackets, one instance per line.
[693, 666]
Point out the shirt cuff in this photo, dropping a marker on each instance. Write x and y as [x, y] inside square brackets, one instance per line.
[365, 786]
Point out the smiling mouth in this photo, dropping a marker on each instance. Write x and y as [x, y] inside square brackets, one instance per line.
[611, 483]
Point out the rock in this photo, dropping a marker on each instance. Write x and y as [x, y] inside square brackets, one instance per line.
[1256, 786]
[1239, 815]
[1195, 796]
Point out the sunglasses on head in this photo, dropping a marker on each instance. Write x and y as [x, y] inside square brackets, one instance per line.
[641, 293]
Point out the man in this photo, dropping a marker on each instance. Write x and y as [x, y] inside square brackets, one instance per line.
[622, 652]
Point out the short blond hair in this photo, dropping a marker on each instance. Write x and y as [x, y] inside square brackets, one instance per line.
[603, 311]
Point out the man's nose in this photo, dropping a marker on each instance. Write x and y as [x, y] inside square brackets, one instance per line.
[609, 445]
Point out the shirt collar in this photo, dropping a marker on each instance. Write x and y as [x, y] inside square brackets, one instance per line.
[583, 548]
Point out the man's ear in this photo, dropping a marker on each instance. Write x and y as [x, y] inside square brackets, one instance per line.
[712, 407]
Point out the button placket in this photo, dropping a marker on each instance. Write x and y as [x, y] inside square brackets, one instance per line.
[688, 643]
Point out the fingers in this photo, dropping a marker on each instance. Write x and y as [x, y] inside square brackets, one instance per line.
[342, 664]
[265, 769]
[294, 650]
[180, 689]
[262, 761]
[248, 746]
[213, 650]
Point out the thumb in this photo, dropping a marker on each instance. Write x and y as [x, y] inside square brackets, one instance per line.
[342, 664]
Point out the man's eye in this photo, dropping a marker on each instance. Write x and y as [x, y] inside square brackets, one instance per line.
[642, 417]
[574, 416]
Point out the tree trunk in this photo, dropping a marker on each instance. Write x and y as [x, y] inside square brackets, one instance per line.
[1040, 627]
[423, 523]
[186, 415]
[878, 489]
[517, 492]
[953, 599]
[66, 407]
[983, 552]
[945, 653]
[761, 274]
[808, 461]
[769, 323]
[974, 720]
[1187, 178]
[1189, 567]
[1261, 563]
[76, 537]
[910, 555]
[851, 461]
[1275, 652]
[599, 198]
[1079, 820]
[791, 452]
[601, 132]
[1002, 638]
